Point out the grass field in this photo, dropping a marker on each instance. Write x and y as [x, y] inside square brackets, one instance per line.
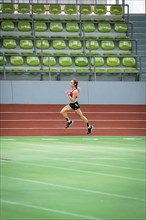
[69, 178]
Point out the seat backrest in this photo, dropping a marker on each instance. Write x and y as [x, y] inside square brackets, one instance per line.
[70, 9]
[39, 9]
[92, 45]
[107, 45]
[72, 27]
[40, 26]
[26, 44]
[9, 43]
[7, 26]
[24, 26]
[81, 61]
[65, 61]
[42, 44]
[8, 8]
[59, 44]
[120, 27]
[100, 9]
[16, 60]
[32, 61]
[56, 27]
[49, 61]
[116, 10]
[97, 61]
[129, 61]
[86, 9]
[113, 61]
[125, 45]
[55, 9]
[74, 44]
[104, 27]
[88, 27]
[23, 8]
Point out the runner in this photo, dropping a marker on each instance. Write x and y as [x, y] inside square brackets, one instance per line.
[74, 105]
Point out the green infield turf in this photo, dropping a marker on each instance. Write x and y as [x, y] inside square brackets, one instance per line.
[69, 178]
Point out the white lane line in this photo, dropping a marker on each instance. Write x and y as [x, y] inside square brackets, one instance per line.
[73, 128]
[133, 138]
[83, 150]
[81, 171]
[50, 210]
[73, 112]
[49, 139]
[61, 120]
[90, 139]
[76, 188]
[94, 164]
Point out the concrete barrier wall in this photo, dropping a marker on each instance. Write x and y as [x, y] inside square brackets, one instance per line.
[50, 92]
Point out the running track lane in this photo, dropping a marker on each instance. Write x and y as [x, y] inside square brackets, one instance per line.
[45, 120]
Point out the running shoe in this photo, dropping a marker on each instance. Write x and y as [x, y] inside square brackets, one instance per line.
[69, 124]
[90, 128]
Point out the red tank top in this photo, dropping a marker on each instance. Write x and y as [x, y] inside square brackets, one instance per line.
[71, 93]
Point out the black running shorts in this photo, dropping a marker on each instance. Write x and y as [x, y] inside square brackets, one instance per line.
[74, 106]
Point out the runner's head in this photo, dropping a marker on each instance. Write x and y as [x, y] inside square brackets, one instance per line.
[75, 83]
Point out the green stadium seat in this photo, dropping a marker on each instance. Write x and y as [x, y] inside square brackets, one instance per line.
[92, 45]
[65, 61]
[32, 61]
[9, 43]
[26, 44]
[55, 9]
[100, 9]
[39, 9]
[8, 8]
[23, 8]
[99, 70]
[125, 45]
[42, 44]
[16, 60]
[113, 61]
[107, 45]
[49, 61]
[129, 62]
[81, 61]
[120, 28]
[86, 9]
[70, 9]
[56, 27]
[66, 70]
[2, 60]
[97, 61]
[104, 27]
[72, 27]
[114, 70]
[24, 26]
[131, 70]
[40, 26]
[116, 10]
[7, 26]
[88, 27]
[59, 44]
[74, 44]
[82, 70]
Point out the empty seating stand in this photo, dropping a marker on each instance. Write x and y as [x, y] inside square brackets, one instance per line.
[55, 39]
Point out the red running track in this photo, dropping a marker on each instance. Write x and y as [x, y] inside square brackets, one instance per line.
[45, 120]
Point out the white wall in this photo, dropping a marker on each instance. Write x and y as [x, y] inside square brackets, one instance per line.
[50, 92]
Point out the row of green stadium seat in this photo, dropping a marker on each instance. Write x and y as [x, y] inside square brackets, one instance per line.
[69, 61]
[59, 27]
[71, 44]
[56, 9]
